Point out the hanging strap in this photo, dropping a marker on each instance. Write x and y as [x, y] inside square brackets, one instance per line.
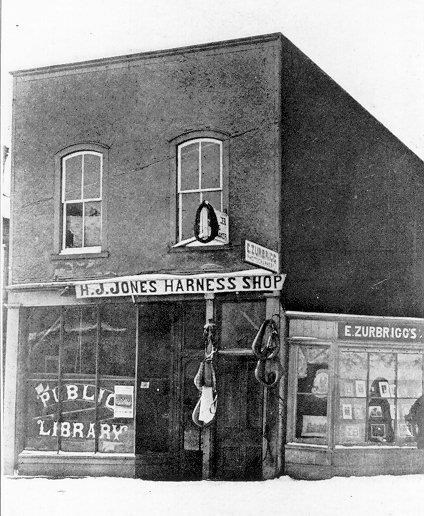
[205, 380]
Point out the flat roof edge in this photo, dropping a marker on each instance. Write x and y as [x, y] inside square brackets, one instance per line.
[105, 61]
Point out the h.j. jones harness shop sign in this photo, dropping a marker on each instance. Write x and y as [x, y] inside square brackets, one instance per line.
[165, 284]
[381, 331]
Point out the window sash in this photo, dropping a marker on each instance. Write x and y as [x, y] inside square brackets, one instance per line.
[83, 201]
[201, 191]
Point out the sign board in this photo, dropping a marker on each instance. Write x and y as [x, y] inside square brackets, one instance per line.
[258, 255]
[254, 280]
[384, 331]
[124, 401]
[223, 232]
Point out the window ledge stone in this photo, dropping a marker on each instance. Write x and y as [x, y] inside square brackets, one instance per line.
[79, 256]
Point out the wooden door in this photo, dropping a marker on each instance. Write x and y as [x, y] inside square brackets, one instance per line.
[238, 436]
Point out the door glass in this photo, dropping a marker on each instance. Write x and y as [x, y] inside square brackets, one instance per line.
[154, 377]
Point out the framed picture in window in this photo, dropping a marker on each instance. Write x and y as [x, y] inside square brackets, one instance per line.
[384, 389]
[360, 388]
[314, 426]
[352, 432]
[375, 411]
[378, 430]
[347, 411]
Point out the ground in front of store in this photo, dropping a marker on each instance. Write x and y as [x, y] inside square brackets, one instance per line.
[382, 495]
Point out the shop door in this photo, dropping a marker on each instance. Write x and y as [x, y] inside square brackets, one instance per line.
[167, 442]
[238, 438]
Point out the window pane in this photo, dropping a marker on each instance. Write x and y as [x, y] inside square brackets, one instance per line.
[73, 237]
[92, 223]
[77, 427]
[116, 425]
[43, 340]
[213, 198]
[410, 375]
[240, 322]
[189, 204]
[117, 342]
[353, 389]
[42, 415]
[73, 176]
[80, 334]
[312, 387]
[194, 321]
[380, 409]
[189, 166]
[211, 165]
[92, 167]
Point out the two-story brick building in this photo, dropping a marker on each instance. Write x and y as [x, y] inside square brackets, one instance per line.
[110, 290]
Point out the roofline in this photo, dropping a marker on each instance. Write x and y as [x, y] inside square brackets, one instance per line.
[295, 314]
[147, 55]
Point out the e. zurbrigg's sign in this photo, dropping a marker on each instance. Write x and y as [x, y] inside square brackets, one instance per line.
[160, 285]
[380, 331]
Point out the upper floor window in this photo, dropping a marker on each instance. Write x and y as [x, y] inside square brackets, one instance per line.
[199, 178]
[82, 202]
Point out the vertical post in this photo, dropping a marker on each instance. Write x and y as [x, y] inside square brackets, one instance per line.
[271, 404]
[10, 404]
[207, 445]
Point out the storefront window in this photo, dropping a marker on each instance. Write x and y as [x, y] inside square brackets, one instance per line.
[376, 392]
[75, 379]
[240, 321]
[312, 394]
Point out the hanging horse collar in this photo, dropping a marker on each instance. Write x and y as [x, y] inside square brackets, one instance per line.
[268, 369]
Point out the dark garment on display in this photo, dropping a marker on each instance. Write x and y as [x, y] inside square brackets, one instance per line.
[416, 417]
[380, 428]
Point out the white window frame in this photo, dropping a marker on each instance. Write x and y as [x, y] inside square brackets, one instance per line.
[192, 242]
[82, 200]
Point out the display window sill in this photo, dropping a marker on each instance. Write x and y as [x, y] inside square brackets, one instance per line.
[79, 256]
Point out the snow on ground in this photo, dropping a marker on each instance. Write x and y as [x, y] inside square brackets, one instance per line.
[374, 496]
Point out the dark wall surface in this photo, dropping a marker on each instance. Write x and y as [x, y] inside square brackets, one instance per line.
[353, 202]
[136, 107]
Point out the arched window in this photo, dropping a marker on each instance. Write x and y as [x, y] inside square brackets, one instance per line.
[199, 178]
[82, 201]
[80, 178]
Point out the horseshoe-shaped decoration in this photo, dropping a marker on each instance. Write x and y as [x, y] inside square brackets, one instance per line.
[213, 223]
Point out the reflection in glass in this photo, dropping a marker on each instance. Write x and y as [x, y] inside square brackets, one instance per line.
[312, 393]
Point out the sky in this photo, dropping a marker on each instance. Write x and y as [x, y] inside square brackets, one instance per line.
[373, 48]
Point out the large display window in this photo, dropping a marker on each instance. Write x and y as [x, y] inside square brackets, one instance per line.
[81, 373]
[377, 390]
[353, 396]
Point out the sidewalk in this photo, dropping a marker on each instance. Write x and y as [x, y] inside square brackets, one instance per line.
[374, 496]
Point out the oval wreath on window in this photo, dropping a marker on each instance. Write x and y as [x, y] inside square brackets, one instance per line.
[212, 222]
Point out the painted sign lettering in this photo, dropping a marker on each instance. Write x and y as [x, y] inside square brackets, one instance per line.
[168, 285]
[77, 401]
[386, 331]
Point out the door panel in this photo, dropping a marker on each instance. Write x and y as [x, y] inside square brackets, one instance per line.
[238, 439]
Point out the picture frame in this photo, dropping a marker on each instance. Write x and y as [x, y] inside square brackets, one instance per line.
[375, 411]
[360, 388]
[352, 432]
[378, 430]
[347, 411]
[347, 389]
[359, 412]
[384, 389]
[314, 426]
